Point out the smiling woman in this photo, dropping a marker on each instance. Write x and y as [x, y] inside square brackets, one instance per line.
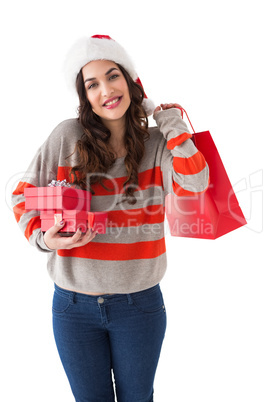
[108, 309]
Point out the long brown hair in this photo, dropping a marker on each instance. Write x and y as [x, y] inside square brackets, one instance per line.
[93, 152]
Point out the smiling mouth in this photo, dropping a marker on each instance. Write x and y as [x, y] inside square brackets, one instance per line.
[113, 101]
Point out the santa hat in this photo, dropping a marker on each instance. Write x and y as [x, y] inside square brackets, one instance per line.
[101, 47]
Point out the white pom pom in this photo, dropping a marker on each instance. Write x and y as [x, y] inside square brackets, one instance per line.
[148, 106]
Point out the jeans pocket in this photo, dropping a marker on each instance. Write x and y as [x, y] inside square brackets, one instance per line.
[150, 302]
[61, 303]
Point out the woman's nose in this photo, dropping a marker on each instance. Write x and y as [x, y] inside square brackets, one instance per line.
[107, 90]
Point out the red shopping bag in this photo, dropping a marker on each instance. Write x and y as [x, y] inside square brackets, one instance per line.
[213, 213]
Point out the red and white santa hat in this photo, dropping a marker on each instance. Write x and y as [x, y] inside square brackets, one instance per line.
[101, 47]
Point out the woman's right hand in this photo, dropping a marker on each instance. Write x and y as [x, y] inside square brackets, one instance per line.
[54, 241]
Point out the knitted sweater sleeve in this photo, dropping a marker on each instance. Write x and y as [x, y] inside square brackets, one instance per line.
[184, 169]
[37, 175]
[44, 168]
[40, 172]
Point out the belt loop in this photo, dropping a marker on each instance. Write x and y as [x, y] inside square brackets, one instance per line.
[72, 297]
[129, 298]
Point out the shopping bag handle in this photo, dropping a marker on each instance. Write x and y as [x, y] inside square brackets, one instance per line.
[183, 110]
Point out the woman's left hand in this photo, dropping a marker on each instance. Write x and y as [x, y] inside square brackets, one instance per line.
[165, 106]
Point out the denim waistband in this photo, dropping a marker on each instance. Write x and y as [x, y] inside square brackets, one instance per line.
[84, 298]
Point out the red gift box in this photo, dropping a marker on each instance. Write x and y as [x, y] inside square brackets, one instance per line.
[67, 214]
[98, 221]
[73, 220]
[65, 203]
[51, 198]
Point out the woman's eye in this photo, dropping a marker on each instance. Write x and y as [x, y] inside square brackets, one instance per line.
[92, 86]
[114, 76]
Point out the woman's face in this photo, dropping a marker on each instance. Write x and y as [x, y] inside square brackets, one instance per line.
[106, 89]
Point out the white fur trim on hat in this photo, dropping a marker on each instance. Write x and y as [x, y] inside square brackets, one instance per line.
[89, 49]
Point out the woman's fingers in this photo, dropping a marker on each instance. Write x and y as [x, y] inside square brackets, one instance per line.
[157, 110]
[165, 106]
[79, 239]
[170, 105]
[54, 241]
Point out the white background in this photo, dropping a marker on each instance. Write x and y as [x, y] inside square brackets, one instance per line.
[211, 57]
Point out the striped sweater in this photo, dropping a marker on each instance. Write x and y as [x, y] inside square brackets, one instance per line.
[131, 256]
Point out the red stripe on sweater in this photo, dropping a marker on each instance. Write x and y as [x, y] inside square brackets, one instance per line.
[174, 142]
[136, 217]
[117, 252]
[64, 173]
[148, 178]
[191, 165]
[34, 223]
[181, 192]
[21, 187]
[19, 210]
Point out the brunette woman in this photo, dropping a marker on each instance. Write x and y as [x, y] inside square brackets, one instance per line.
[109, 315]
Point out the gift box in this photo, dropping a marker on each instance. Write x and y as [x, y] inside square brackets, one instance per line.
[51, 198]
[98, 221]
[73, 220]
[59, 202]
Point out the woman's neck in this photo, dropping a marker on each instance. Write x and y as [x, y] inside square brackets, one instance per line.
[117, 139]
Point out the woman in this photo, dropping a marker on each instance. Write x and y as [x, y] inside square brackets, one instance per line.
[108, 310]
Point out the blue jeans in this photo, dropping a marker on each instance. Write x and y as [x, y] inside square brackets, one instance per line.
[120, 334]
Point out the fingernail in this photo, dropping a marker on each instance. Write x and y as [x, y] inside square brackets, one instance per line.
[61, 222]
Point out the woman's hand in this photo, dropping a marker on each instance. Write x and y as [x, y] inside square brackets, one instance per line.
[165, 106]
[54, 241]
